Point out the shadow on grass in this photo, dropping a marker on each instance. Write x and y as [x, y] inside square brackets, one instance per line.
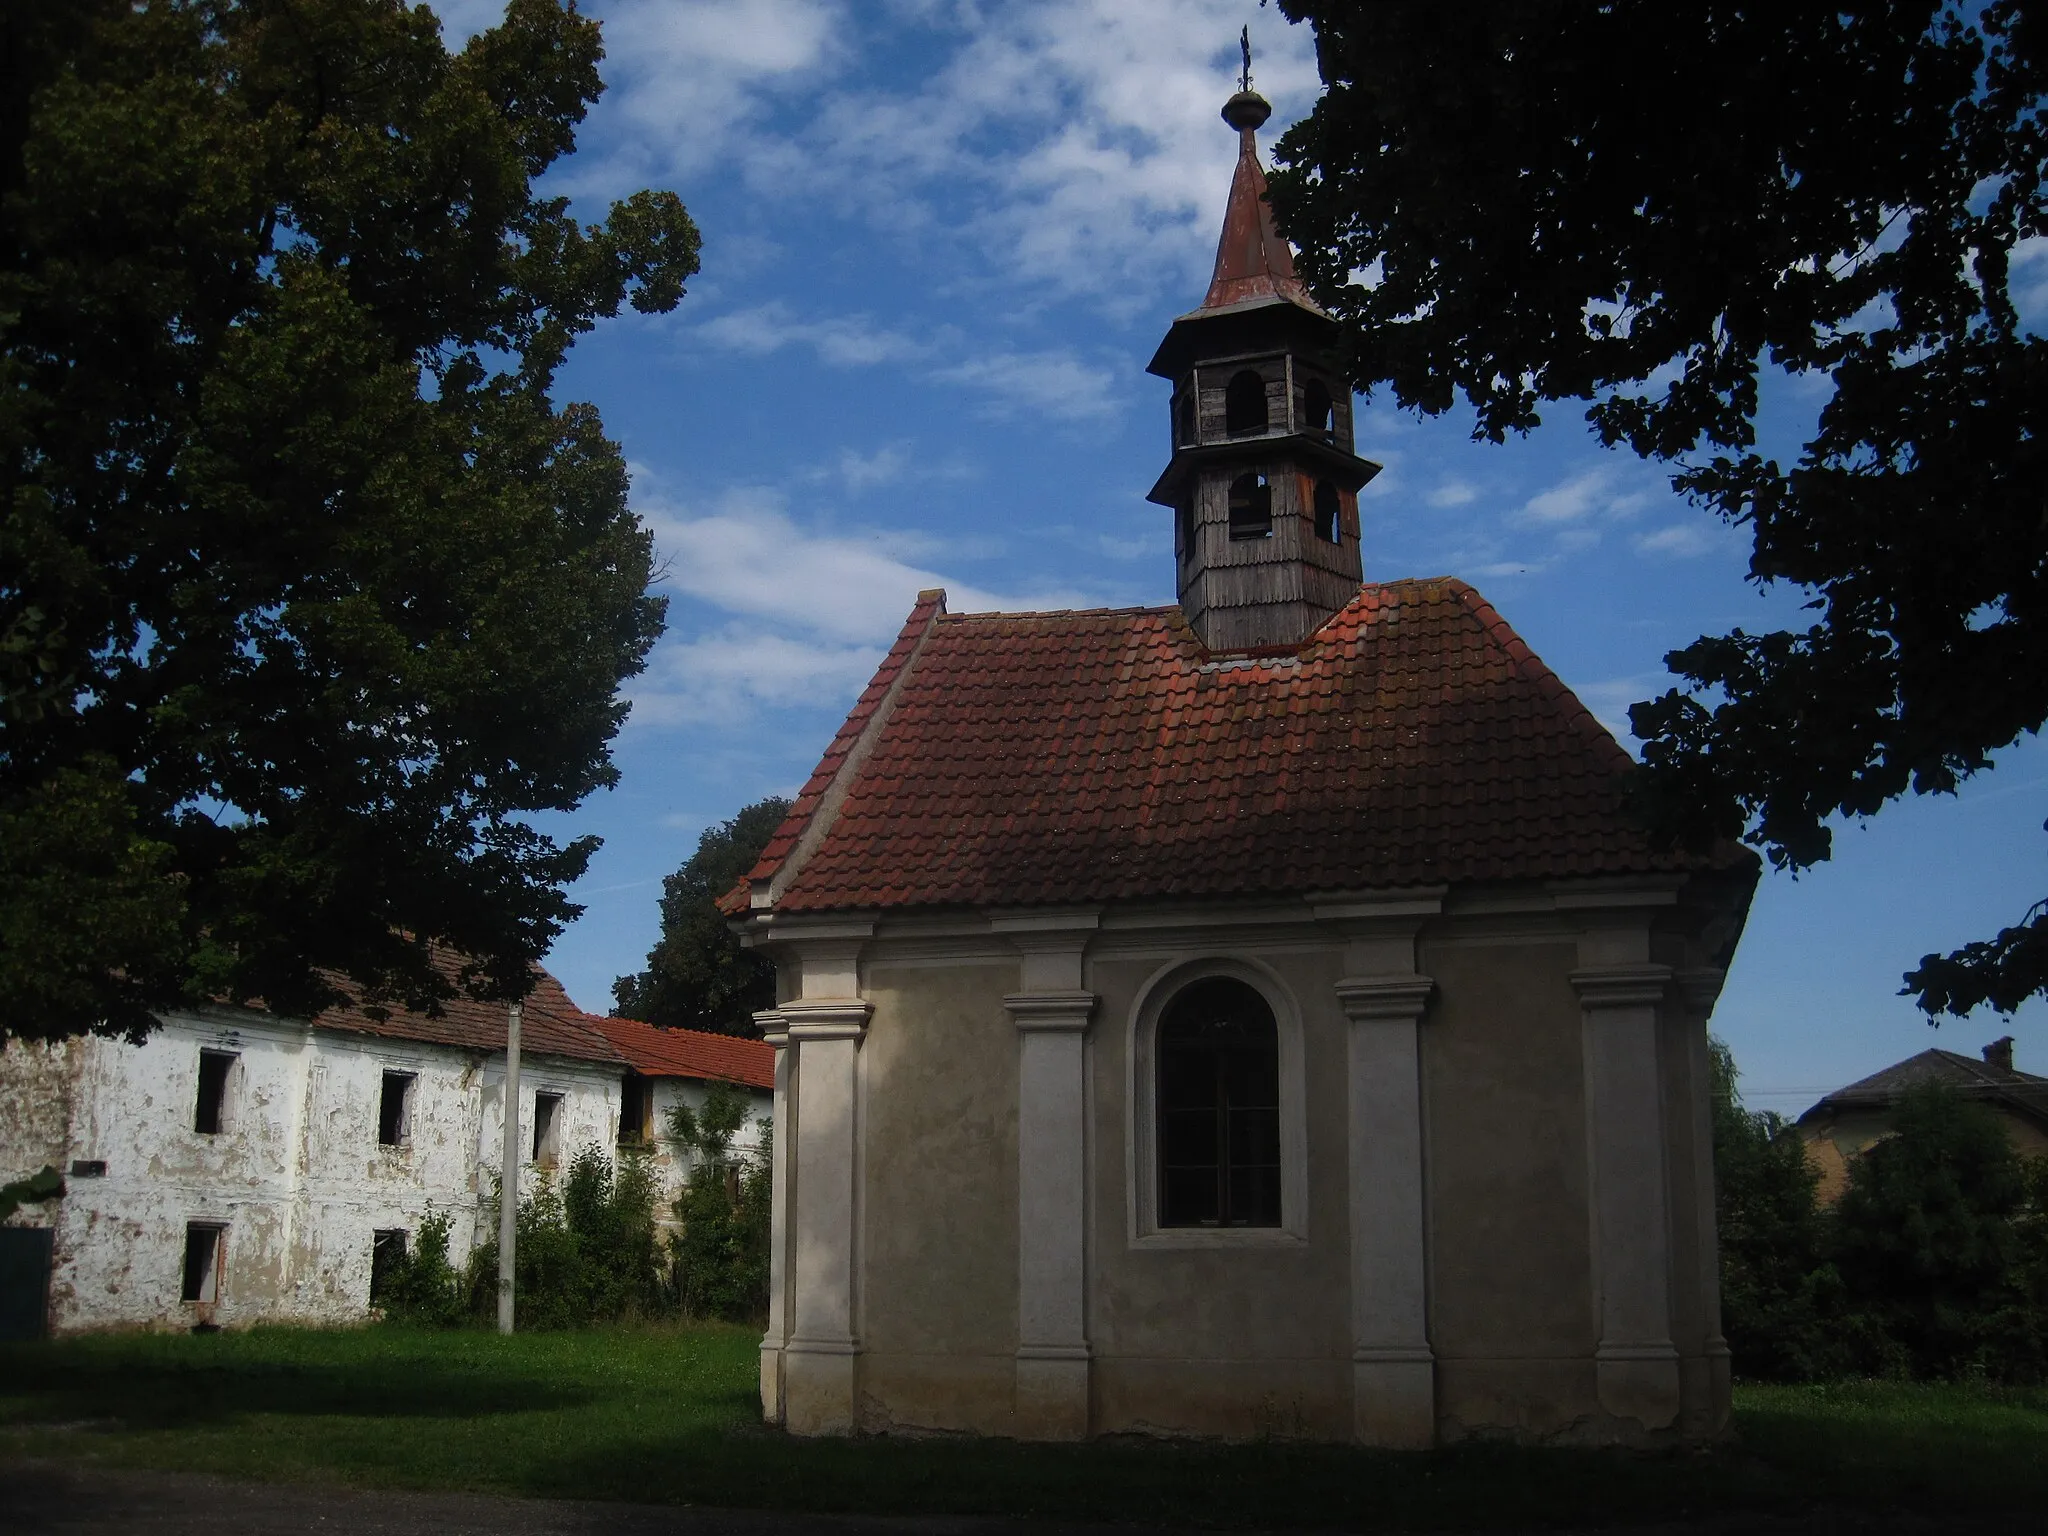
[147, 1382]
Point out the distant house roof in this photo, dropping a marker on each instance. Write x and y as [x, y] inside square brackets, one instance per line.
[692, 1053]
[1987, 1081]
[1012, 759]
[550, 1024]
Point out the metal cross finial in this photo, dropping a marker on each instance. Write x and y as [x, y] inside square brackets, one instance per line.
[1244, 41]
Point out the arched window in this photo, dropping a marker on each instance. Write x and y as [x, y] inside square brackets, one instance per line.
[1251, 508]
[1187, 417]
[1329, 512]
[1219, 1107]
[1244, 404]
[1315, 407]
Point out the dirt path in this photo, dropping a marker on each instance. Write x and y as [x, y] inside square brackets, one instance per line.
[49, 1498]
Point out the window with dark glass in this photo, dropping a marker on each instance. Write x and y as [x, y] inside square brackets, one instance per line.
[1251, 508]
[1218, 1104]
[1329, 512]
[1244, 403]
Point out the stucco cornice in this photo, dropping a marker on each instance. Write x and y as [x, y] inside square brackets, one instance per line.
[1622, 986]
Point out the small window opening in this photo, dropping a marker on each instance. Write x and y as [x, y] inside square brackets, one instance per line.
[1329, 512]
[1219, 1108]
[547, 1128]
[1187, 416]
[1244, 404]
[209, 1114]
[202, 1261]
[1315, 407]
[88, 1167]
[394, 1113]
[636, 1110]
[1251, 507]
[387, 1259]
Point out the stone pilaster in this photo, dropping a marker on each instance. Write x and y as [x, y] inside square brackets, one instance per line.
[1051, 1014]
[819, 1389]
[1393, 1368]
[776, 1338]
[1636, 1362]
[1707, 1389]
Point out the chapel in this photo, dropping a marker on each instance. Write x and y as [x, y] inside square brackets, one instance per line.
[1253, 1016]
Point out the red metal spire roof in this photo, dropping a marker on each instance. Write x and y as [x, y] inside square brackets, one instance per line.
[1252, 261]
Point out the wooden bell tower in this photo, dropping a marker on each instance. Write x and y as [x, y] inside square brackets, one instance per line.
[1263, 482]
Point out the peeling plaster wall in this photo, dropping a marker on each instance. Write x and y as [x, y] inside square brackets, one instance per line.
[296, 1175]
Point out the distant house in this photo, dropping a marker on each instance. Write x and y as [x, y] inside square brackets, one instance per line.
[1850, 1119]
[237, 1167]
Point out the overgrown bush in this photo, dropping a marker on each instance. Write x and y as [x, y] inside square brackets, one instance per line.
[584, 1253]
[1934, 1263]
[1932, 1240]
[1778, 1292]
[719, 1250]
[424, 1289]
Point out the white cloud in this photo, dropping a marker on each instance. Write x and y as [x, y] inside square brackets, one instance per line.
[1056, 384]
[860, 472]
[797, 617]
[1452, 493]
[1680, 541]
[841, 341]
[1073, 143]
[1569, 501]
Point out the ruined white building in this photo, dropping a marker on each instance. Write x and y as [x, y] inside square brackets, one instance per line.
[238, 1167]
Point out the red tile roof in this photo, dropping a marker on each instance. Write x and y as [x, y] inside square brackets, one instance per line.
[550, 1025]
[1097, 756]
[695, 1053]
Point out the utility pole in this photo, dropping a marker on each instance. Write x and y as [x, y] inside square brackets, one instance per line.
[508, 1173]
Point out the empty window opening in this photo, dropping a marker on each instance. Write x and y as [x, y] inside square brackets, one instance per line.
[1219, 1108]
[394, 1112]
[209, 1114]
[547, 1128]
[88, 1167]
[1329, 512]
[1315, 407]
[636, 1110]
[387, 1259]
[202, 1261]
[1251, 508]
[1244, 404]
[1187, 416]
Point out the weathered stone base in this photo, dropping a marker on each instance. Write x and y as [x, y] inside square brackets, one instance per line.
[1393, 1403]
[818, 1390]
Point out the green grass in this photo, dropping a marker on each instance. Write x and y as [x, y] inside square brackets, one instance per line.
[669, 1416]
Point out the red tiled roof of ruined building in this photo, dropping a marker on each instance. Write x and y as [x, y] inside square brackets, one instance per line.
[1094, 756]
[550, 1024]
[691, 1053]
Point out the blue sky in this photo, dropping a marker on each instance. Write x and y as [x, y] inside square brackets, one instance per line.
[941, 240]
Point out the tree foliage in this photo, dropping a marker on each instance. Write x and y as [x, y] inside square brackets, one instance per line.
[310, 595]
[723, 1222]
[698, 976]
[1777, 1290]
[1655, 209]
